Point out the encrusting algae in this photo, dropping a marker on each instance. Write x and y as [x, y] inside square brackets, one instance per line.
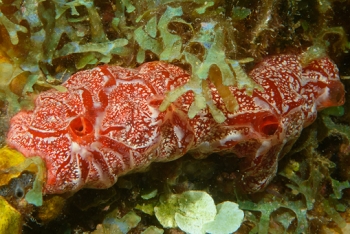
[42, 43]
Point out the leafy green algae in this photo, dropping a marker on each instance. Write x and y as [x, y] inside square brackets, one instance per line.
[195, 212]
[199, 34]
[308, 179]
[12, 28]
[266, 208]
[74, 28]
[170, 47]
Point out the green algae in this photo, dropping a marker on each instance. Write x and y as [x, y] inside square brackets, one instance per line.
[195, 212]
[239, 13]
[211, 37]
[338, 187]
[307, 178]
[266, 208]
[9, 72]
[67, 19]
[35, 195]
[228, 219]
[320, 44]
[149, 194]
[153, 230]
[75, 29]
[171, 48]
[12, 28]
[113, 224]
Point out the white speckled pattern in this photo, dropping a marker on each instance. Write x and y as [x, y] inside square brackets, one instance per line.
[108, 124]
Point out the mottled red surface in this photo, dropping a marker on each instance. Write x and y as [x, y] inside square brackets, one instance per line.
[108, 124]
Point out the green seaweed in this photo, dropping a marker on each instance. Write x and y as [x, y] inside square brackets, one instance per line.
[88, 42]
[306, 178]
[320, 44]
[172, 44]
[239, 13]
[309, 188]
[8, 72]
[12, 28]
[334, 128]
[104, 48]
[195, 212]
[170, 47]
[113, 224]
[266, 208]
[35, 195]
[286, 219]
[153, 230]
[338, 188]
[334, 111]
[211, 37]
[202, 9]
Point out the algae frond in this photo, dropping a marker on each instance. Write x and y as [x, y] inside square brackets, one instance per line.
[73, 30]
